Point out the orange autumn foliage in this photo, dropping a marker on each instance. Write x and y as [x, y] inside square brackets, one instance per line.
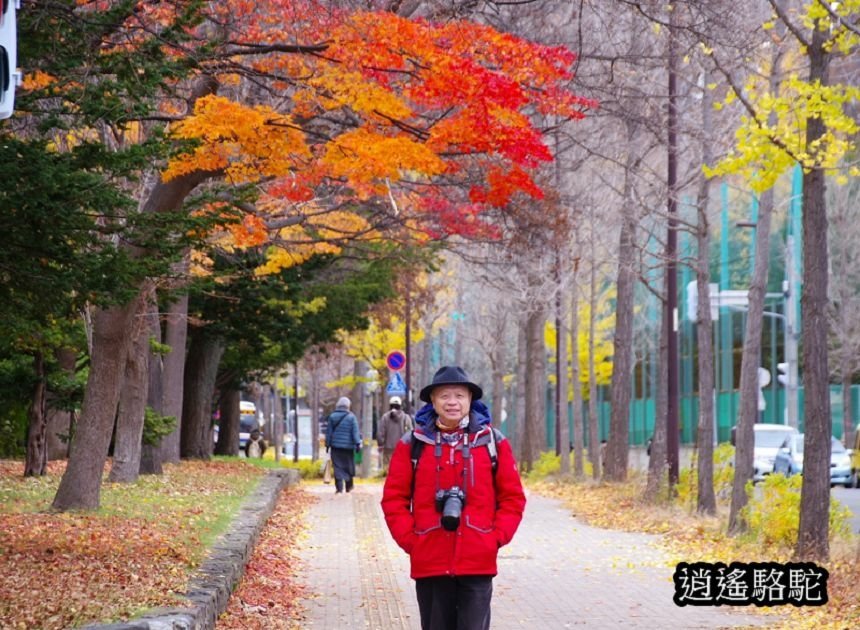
[373, 108]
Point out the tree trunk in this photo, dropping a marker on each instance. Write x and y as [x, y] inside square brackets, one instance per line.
[366, 427]
[748, 405]
[150, 454]
[706, 501]
[497, 365]
[60, 420]
[520, 390]
[228, 423]
[80, 487]
[847, 411]
[37, 431]
[594, 454]
[535, 425]
[356, 395]
[563, 385]
[175, 336]
[617, 449]
[812, 538]
[277, 441]
[132, 400]
[201, 368]
[658, 466]
[575, 381]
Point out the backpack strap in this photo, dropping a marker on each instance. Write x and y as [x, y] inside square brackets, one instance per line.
[491, 447]
[415, 451]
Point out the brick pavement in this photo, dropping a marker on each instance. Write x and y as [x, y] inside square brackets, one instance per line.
[557, 573]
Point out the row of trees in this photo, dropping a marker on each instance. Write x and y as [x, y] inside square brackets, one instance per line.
[206, 192]
[241, 171]
[688, 92]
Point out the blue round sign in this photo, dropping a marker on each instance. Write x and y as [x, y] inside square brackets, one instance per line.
[395, 360]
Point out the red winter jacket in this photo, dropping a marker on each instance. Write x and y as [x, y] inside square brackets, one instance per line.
[489, 519]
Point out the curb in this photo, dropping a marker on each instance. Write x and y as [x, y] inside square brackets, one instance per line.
[209, 589]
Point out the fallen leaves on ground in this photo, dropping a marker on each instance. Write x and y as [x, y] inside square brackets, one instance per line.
[60, 570]
[267, 597]
[692, 538]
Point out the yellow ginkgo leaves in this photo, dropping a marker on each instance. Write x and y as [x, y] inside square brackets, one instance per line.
[775, 138]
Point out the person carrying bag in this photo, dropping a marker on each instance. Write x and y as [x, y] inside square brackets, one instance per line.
[342, 439]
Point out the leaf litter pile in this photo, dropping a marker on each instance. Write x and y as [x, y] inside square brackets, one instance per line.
[61, 570]
[267, 597]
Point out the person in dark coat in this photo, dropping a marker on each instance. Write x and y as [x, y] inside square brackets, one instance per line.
[343, 439]
[456, 507]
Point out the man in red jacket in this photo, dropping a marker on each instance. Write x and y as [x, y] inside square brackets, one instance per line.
[455, 505]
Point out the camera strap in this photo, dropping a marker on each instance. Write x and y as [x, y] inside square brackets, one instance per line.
[467, 454]
[417, 446]
[437, 451]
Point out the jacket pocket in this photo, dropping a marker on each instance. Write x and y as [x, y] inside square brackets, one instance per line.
[427, 530]
[478, 548]
[484, 529]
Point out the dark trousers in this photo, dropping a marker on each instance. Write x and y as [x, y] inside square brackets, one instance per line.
[343, 460]
[455, 603]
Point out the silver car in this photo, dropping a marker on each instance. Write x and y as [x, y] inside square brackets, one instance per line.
[840, 464]
[789, 460]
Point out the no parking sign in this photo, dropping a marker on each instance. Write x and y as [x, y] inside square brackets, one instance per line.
[395, 360]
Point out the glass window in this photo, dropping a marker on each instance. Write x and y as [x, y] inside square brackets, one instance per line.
[769, 439]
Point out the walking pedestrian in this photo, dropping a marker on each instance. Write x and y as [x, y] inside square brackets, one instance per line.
[256, 445]
[343, 439]
[452, 498]
[393, 424]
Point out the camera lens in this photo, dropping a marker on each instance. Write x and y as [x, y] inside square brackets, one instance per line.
[452, 507]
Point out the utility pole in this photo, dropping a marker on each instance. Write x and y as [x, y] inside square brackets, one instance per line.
[296, 415]
[560, 406]
[366, 428]
[407, 407]
[671, 284]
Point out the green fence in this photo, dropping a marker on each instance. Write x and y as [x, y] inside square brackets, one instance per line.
[642, 413]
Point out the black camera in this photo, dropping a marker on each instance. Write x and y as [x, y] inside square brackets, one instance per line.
[450, 503]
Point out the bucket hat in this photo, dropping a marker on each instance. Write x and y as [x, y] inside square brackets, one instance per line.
[451, 375]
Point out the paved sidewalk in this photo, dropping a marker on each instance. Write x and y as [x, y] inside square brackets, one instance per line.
[557, 573]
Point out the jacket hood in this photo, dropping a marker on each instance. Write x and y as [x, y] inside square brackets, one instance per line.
[479, 416]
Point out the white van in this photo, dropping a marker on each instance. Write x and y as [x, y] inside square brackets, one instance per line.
[248, 421]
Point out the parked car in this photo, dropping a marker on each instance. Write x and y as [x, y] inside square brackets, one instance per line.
[855, 460]
[789, 460]
[789, 457]
[840, 464]
[768, 439]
